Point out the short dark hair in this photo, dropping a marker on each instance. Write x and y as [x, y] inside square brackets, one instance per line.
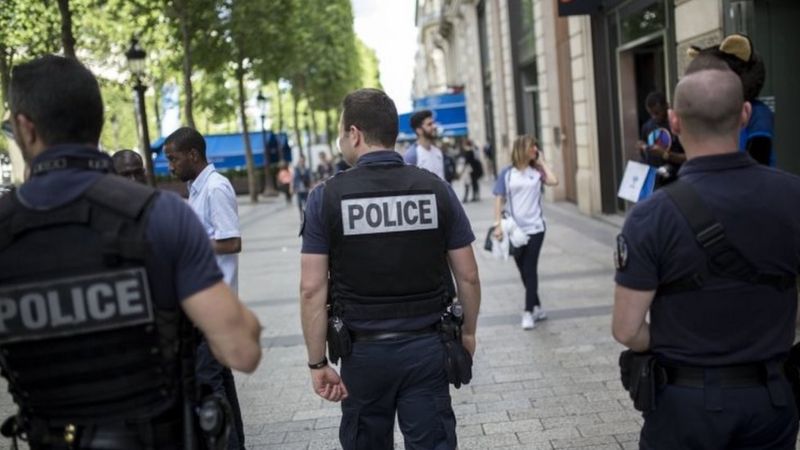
[61, 97]
[654, 99]
[372, 112]
[418, 117]
[185, 139]
[125, 154]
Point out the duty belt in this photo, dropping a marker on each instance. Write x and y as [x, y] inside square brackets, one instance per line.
[731, 376]
[370, 336]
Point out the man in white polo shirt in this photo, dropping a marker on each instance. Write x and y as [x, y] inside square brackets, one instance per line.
[213, 199]
[424, 154]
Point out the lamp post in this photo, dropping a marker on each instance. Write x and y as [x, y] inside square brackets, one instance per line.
[269, 181]
[136, 64]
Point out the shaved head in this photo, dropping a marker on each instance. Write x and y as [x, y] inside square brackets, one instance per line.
[129, 164]
[709, 103]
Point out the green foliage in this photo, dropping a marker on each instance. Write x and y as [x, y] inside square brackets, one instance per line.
[368, 60]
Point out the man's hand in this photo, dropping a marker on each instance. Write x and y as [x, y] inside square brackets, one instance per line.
[468, 341]
[328, 384]
[498, 232]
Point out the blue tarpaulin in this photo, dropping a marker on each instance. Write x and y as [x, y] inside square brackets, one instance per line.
[226, 151]
[449, 112]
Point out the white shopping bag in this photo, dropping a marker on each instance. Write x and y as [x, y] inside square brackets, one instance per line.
[637, 182]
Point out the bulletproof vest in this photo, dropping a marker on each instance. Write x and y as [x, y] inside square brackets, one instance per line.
[387, 249]
[82, 340]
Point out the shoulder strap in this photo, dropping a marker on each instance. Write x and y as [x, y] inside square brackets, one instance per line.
[723, 258]
[120, 195]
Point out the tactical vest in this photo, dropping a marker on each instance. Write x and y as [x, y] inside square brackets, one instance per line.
[387, 244]
[83, 343]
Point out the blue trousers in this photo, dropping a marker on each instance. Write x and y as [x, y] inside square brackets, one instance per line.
[405, 376]
[220, 379]
[744, 418]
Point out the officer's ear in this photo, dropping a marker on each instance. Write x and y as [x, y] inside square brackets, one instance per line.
[747, 110]
[674, 122]
[24, 131]
[355, 136]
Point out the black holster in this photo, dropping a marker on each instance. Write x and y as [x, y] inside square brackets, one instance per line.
[339, 342]
[641, 376]
[792, 370]
[457, 360]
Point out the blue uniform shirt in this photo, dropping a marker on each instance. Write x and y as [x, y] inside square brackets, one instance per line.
[183, 262]
[729, 321]
[315, 239]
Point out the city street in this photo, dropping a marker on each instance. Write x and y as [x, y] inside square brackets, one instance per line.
[553, 387]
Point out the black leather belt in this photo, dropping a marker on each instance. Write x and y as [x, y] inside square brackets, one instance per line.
[731, 376]
[113, 437]
[369, 336]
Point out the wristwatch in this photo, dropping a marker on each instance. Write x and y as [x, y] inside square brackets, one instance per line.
[319, 365]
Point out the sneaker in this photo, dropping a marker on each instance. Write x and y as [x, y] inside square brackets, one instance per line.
[539, 313]
[527, 321]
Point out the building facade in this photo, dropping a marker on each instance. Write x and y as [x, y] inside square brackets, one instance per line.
[576, 74]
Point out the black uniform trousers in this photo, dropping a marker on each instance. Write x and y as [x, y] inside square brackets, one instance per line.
[405, 375]
[737, 418]
[220, 379]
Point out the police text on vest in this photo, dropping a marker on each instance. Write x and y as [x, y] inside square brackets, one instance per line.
[75, 305]
[373, 215]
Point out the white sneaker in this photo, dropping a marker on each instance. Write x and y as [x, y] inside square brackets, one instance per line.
[527, 321]
[539, 313]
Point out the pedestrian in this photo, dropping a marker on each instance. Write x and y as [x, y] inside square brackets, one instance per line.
[518, 195]
[126, 271]
[424, 153]
[285, 181]
[473, 166]
[301, 183]
[488, 156]
[129, 164]
[667, 160]
[324, 168]
[379, 237]
[213, 199]
[713, 259]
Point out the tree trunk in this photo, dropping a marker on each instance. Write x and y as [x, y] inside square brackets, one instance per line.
[298, 134]
[5, 73]
[279, 96]
[67, 38]
[328, 132]
[156, 108]
[314, 132]
[186, 36]
[248, 149]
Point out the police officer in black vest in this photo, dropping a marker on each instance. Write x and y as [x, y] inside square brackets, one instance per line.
[101, 279]
[713, 258]
[377, 239]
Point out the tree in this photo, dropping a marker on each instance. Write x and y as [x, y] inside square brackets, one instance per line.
[67, 38]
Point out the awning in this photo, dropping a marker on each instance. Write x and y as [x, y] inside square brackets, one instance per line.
[449, 112]
[226, 151]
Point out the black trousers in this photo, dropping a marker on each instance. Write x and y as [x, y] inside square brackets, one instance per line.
[220, 379]
[405, 376]
[528, 264]
[743, 418]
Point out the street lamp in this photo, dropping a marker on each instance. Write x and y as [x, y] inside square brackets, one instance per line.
[136, 64]
[263, 107]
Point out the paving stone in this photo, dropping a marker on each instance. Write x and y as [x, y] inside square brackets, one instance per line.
[515, 426]
[590, 442]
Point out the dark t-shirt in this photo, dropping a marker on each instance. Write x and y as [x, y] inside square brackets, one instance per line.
[729, 321]
[183, 262]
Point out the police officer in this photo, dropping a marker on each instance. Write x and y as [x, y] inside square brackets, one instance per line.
[381, 234]
[98, 276]
[713, 258]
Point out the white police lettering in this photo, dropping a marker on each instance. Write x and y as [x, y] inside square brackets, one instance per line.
[74, 305]
[373, 215]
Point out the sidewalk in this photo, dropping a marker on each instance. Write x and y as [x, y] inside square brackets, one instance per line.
[554, 387]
